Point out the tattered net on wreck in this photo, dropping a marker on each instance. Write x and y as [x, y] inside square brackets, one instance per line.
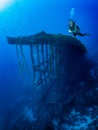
[51, 50]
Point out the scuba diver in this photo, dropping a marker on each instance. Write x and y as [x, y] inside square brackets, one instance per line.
[74, 29]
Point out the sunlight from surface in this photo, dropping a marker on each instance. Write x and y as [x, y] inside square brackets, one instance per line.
[5, 3]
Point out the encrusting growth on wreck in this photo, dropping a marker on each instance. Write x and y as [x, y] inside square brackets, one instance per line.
[51, 52]
[68, 94]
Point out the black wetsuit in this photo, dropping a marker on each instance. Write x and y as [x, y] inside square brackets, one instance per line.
[75, 30]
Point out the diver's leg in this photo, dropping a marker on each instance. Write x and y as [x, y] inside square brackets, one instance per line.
[83, 34]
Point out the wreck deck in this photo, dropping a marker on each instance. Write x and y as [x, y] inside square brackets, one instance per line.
[54, 49]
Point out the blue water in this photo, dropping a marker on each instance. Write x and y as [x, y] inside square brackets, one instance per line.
[27, 17]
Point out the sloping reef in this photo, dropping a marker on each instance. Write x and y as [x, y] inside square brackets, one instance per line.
[69, 101]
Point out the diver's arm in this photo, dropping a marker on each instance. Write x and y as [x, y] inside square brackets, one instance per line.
[72, 31]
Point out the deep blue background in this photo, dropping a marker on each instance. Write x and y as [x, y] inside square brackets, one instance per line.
[27, 17]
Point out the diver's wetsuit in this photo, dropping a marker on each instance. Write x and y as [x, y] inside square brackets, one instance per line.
[75, 30]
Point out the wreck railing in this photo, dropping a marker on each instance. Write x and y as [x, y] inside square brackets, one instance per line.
[46, 52]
